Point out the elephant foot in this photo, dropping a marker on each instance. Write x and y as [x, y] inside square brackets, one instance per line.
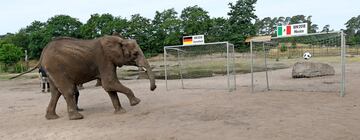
[75, 116]
[152, 88]
[120, 111]
[79, 109]
[134, 101]
[51, 116]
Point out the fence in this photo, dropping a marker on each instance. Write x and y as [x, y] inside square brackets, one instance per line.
[188, 62]
[326, 48]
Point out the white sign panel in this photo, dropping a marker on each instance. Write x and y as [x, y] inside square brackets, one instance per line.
[292, 30]
[299, 29]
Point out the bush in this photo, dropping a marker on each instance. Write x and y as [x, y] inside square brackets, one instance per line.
[283, 48]
[18, 68]
[10, 54]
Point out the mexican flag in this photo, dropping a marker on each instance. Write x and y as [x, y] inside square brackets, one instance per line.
[284, 30]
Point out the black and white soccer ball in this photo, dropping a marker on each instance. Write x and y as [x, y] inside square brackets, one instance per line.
[307, 55]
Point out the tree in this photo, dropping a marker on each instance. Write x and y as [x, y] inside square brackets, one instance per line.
[241, 16]
[266, 26]
[63, 25]
[19, 39]
[326, 28]
[195, 20]
[298, 19]
[38, 37]
[165, 30]
[312, 28]
[10, 54]
[218, 30]
[120, 25]
[280, 21]
[99, 25]
[353, 30]
[139, 29]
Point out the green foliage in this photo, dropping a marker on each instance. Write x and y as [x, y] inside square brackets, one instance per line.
[99, 25]
[218, 30]
[283, 48]
[139, 28]
[18, 68]
[167, 28]
[326, 28]
[266, 26]
[63, 25]
[240, 20]
[353, 30]
[38, 38]
[10, 54]
[195, 20]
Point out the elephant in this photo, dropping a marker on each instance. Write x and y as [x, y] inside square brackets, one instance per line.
[69, 62]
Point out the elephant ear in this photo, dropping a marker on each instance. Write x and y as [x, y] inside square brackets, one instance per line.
[126, 48]
[112, 46]
[110, 41]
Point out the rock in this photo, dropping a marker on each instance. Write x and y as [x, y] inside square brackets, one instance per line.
[311, 69]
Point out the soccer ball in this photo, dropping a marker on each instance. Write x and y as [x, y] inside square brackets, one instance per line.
[307, 55]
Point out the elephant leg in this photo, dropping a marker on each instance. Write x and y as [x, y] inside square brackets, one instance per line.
[76, 97]
[125, 90]
[68, 93]
[55, 95]
[116, 103]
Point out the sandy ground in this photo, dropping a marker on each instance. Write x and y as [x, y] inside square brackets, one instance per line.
[188, 114]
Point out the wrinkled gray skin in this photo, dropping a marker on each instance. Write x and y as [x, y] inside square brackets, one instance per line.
[70, 62]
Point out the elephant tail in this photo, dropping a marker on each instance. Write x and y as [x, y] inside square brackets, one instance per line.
[32, 69]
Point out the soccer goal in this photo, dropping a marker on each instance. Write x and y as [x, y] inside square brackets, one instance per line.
[305, 63]
[200, 66]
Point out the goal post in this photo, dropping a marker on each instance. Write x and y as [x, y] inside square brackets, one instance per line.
[185, 64]
[328, 48]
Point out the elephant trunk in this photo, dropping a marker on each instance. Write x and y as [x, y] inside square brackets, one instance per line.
[145, 64]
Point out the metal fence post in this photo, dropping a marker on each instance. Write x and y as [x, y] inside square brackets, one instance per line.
[266, 69]
[343, 51]
[165, 68]
[252, 64]
[228, 67]
[234, 64]
[313, 50]
[180, 65]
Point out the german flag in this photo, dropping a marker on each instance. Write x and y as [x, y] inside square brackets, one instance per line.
[187, 40]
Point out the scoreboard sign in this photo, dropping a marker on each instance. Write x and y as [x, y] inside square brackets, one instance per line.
[292, 30]
[196, 39]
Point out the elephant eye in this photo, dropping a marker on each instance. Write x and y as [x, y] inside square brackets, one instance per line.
[136, 54]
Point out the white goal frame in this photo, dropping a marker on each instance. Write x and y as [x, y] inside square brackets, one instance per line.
[230, 60]
[342, 61]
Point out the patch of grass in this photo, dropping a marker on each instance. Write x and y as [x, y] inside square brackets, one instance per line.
[6, 76]
[353, 59]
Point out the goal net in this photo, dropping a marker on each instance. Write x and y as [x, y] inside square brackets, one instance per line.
[201, 66]
[280, 64]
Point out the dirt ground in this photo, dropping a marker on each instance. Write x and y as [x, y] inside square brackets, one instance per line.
[186, 114]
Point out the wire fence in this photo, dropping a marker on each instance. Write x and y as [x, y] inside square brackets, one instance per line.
[288, 51]
[199, 61]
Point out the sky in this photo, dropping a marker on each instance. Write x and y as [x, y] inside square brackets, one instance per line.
[16, 14]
